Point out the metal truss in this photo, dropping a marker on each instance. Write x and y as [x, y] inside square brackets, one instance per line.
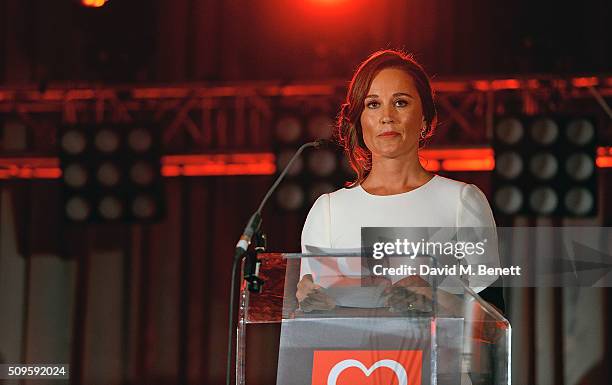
[197, 118]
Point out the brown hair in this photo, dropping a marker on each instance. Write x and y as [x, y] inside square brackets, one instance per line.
[348, 124]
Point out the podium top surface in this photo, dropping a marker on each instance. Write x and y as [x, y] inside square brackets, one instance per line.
[280, 273]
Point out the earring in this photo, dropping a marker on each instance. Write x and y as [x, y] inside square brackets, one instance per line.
[423, 132]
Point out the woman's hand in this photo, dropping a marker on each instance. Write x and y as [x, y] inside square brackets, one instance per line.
[410, 293]
[414, 293]
[312, 296]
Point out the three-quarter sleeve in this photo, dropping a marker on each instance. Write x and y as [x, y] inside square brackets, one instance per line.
[316, 231]
[475, 223]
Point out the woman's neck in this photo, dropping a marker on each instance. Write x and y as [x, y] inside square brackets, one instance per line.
[395, 175]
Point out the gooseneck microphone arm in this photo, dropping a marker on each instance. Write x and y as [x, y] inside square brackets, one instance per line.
[252, 227]
[254, 223]
[315, 144]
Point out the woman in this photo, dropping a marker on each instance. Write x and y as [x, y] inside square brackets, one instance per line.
[388, 115]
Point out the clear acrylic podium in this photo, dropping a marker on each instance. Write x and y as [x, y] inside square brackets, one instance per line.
[441, 333]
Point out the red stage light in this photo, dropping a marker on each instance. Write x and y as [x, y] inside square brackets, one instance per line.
[430, 164]
[456, 153]
[585, 82]
[328, 2]
[93, 3]
[446, 159]
[604, 161]
[482, 164]
[499, 84]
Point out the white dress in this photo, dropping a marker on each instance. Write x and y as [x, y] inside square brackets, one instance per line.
[335, 220]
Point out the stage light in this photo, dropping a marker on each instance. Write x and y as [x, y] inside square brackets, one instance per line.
[106, 141]
[93, 3]
[110, 208]
[288, 129]
[140, 140]
[142, 173]
[283, 159]
[543, 200]
[320, 127]
[328, 2]
[75, 175]
[559, 152]
[544, 131]
[290, 196]
[508, 199]
[143, 207]
[77, 209]
[124, 163]
[580, 131]
[73, 142]
[579, 201]
[509, 130]
[315, 169]
[322, 163]
[543, 165]
[108, 174]
[580, 166]
[509, 165]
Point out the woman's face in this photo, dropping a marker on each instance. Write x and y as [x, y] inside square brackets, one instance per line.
[392, 117]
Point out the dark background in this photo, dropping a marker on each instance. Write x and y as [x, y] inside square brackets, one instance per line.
[188, 40]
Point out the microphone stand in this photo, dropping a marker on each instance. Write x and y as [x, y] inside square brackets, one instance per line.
[252, 231]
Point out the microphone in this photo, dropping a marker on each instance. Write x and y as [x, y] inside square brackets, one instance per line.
[324, 143]
[242, 246]
[254, 223]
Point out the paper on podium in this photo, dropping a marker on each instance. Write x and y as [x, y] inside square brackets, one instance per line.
[310, 249]
[367, 297]
[348, 265]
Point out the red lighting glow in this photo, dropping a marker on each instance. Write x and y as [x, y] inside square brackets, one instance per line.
[445, 159]
[328, 2]
[604, 151]
[604, 161]
[430, 164]
[30, 173]
[219, 164]
[499, 84]
[456, 153]
[93, 3]
[482, 164]
[513, 84]
[458, 159]
[585, 82]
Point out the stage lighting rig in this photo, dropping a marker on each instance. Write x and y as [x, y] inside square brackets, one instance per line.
[317, 172]
[111, 172]
[545, 166]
